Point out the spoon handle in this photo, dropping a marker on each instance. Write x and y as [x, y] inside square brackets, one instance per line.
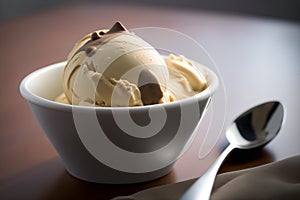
[202, 188]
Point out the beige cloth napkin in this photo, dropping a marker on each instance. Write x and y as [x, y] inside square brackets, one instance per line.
[278, 180]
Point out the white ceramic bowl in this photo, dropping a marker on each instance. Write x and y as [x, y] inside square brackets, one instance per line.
[117, 144]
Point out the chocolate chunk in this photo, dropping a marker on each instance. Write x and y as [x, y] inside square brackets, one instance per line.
[117, 27]
[91, 50]
[94, 36]
[148, 84]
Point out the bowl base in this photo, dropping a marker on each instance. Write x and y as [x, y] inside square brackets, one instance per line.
[128, 178]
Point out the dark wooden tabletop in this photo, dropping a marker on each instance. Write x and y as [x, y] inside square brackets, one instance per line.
[257, 58]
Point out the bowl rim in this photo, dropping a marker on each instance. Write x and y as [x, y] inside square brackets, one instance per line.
[36, 99]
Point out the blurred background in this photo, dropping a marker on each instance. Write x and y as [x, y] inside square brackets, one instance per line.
[288, 9]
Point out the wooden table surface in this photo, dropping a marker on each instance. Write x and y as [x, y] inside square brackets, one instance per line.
[257, 58]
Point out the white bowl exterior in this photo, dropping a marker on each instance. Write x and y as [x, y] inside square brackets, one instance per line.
[57, 120]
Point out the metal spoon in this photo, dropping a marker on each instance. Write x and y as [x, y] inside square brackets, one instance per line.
[254, 128]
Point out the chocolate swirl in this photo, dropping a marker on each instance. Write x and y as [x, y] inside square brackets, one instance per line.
[90, 47]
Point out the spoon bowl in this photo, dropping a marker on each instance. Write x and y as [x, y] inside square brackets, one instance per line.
[253, 129]
[257, 126]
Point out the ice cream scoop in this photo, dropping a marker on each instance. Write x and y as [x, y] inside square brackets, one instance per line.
[114, 68]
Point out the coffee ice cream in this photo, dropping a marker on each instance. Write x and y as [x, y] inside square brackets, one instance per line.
[115, 67]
